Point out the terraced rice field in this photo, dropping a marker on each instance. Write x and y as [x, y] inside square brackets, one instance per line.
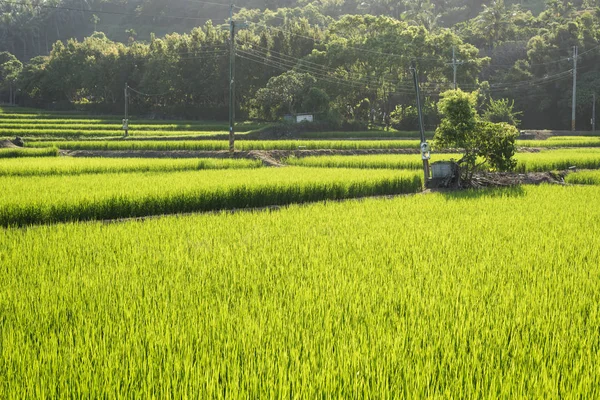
[470, 294]
[28, 152]
[527, 162]
[79, 166]
[224, 144]
[42, 199]
[444, 295]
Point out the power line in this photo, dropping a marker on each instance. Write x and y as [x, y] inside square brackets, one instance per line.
[64, 8]
[149, 94]
[317, 68]
[286, 66]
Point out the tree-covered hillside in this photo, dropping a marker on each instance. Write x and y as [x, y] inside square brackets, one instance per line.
[349, 62]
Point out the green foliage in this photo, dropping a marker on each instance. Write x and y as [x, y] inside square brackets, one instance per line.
[461, 128]
[10, 70]
[496, 145]
[406, 117]
[284, 93]
[316, 101]
[502, 110]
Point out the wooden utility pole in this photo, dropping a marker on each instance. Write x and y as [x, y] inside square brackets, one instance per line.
[455, 64]
[231, 80]
[126, 119]
[424, 145]
[594, 112]
[574, 101]
[232, 30]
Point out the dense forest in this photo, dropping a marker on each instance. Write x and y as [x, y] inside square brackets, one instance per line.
[346, 61]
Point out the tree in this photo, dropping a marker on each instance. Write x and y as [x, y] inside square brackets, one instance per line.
[502, 111]
[284, 93]
[10, 68]
[492, 143]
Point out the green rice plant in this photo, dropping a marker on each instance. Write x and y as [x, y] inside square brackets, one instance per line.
[364, 134]
[78, 166]
[224, 145]
[396, 161]
[478, 294]
[86, 129]
[47, 199]
[29, 152]
[526, 162]
[562, 141]
[584, 178]
[116, 132]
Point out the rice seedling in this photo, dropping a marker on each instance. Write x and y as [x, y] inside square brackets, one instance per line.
[472, 295]
[584, 178]
[224, 145]
[78, 166]
[43, 199]
[526, 162]
[29, 152]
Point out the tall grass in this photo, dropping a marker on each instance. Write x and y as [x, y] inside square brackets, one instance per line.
[29, 152]
[105, 196]
[488, 294]
[224, 145]
[584, 178]
[562, 141]
[78, 166]
[526, 162]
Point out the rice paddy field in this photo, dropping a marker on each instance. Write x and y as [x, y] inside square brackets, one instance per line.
[328, 277]
[43, 199]
[224, 144]
[546, 160]
[79, 166]
[482, 298]
[28, 152]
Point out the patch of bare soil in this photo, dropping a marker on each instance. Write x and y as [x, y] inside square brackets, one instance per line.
[503, 179]
[7, 144]
[267, 156]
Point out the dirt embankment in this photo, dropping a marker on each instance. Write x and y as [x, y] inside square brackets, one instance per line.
[500, 179]
[269, 157]
[7, 144]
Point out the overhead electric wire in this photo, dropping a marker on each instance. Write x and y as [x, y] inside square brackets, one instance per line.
[307, 68]
[149, 94]
[331, 79]
[319, 68]
[101, 11]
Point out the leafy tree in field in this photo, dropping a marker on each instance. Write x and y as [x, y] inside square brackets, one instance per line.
[284, 94]
[10, 68]
[502, 111]
[461, 128]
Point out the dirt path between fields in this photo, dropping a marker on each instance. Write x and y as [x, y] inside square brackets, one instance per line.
[271, 158]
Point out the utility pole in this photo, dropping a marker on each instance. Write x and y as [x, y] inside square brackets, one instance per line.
[231, 80]
[594, 112]
[574, 88]
[455, 64]
[126, 119]
[424, 144]
[232, 27]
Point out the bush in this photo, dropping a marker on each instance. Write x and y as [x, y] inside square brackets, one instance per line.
[502, 111]
[406, 118]
[461, 128]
